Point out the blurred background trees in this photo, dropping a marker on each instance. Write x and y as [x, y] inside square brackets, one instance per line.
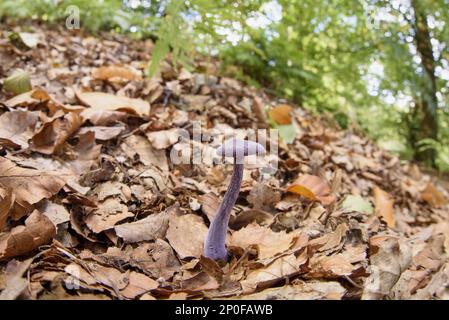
[375, 65]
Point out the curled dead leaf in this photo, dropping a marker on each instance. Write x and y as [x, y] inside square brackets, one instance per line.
[312, 188]
[38, 230]
[384, 206]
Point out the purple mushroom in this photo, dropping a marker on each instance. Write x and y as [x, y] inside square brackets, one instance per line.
[214, 246]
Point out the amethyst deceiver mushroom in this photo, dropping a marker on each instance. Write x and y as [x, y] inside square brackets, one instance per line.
[214, 246]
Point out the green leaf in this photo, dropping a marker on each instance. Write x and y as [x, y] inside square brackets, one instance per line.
[17, 83]
[24, 39]
[356, 203]
[287, 132]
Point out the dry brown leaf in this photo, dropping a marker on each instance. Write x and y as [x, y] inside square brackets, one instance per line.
[150, 228]
[6, 203]
[281, 114]
[336, 265]
[186, 235]
[138, 145]
[331, 241]
[116, 73]
[164, 138]
[108, 213]
[389, 257]
[384, 206]
[312, 188]
[200, 282]
[15, 283]
[209, 204]
[310, 290]
[55, 212]
[270, 243]
[138, 285]
[281, 268]
[433, 196]
[50, 138]
[156, 259]
[87, 153]
[103, 133]
[28, 98]
[38, 230]
[100, 101]
[17, 127]
[29, 186]
[263, 197]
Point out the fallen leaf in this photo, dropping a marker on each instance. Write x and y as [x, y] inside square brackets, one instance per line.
[26, 99]
[164, 138]
[310, 290]
[110, 102]
[150, 228]
[280, 269]
[138, 284]
[87, 153]
[138, 145]
[29, 186]
[186, 235]
[433, 196]
[384, 206]
[270, 243]
[115, 73]
[103, 133]
[356, 203]
[312, 188]
[55, 212]
[281, 114]
[15, 283]
[17, 127]
[6, 204]
[38, 230]
[50, 138]
[108, 213]
[389, 257]
[156, 259]
[18, 82]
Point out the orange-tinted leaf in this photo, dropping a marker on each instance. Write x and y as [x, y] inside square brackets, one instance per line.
[384, 206]
[433, 196]
[313, 188]
[281, 114]
[117, 74]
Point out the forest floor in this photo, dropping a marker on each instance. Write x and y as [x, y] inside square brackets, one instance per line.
[93, 207]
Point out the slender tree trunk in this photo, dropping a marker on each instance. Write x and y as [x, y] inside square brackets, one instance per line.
[425, 113]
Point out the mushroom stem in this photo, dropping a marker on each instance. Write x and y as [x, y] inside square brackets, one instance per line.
[214, 246]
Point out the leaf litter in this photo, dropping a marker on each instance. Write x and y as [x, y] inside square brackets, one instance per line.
[92, 207]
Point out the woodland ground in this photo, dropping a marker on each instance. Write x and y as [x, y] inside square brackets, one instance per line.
[91, 207]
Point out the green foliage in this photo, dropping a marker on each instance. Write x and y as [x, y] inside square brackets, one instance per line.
[356, 60]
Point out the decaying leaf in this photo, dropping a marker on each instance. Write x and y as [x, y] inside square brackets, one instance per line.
[384, 206]
[29, 186]
[150, 228]
[186, 235]
[313, 188]
[38, 230]
[269, 243]
[17, 127]
[116, 73]
[281, 114]
[433, 196]
[50, 138]
[100, 101]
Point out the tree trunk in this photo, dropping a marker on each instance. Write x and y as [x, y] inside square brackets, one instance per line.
[425, 113]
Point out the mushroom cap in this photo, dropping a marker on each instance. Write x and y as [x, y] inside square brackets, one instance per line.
[239, 148]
